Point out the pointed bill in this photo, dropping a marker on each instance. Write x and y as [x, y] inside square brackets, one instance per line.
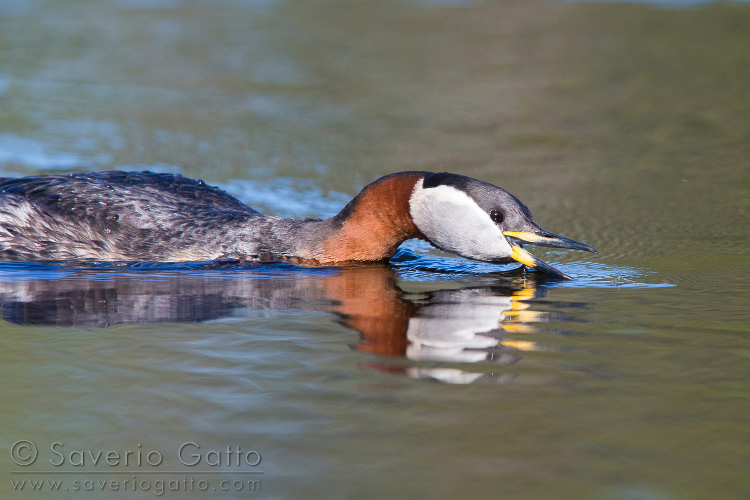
[546, 239]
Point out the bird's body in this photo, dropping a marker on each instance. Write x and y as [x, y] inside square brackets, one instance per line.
[144, 216]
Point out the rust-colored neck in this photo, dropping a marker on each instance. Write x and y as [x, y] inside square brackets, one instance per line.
[375, 222]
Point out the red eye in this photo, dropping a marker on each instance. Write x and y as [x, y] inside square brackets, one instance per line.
[497, 216]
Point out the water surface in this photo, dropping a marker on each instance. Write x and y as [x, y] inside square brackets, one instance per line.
[626, 126]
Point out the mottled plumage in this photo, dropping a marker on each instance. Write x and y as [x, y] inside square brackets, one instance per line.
[113, 216]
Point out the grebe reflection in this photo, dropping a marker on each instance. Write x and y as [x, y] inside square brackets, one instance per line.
[449, 323]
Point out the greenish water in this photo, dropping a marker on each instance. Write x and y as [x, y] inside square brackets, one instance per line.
[626, 126]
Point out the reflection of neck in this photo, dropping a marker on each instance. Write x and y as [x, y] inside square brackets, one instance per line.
[370, 302]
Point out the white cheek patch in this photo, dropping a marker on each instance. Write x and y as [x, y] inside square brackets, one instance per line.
[452, 221]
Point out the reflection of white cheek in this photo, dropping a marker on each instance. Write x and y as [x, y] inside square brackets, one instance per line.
[453, 332]
[423, 353]
[458, 326]
[454, 222]
[447, 375]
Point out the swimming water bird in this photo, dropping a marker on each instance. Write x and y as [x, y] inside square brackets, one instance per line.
[145, 216]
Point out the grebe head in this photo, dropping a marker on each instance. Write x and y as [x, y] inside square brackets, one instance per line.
[480, 221]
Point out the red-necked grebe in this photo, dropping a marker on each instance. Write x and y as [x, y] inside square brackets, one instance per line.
[145, 216]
